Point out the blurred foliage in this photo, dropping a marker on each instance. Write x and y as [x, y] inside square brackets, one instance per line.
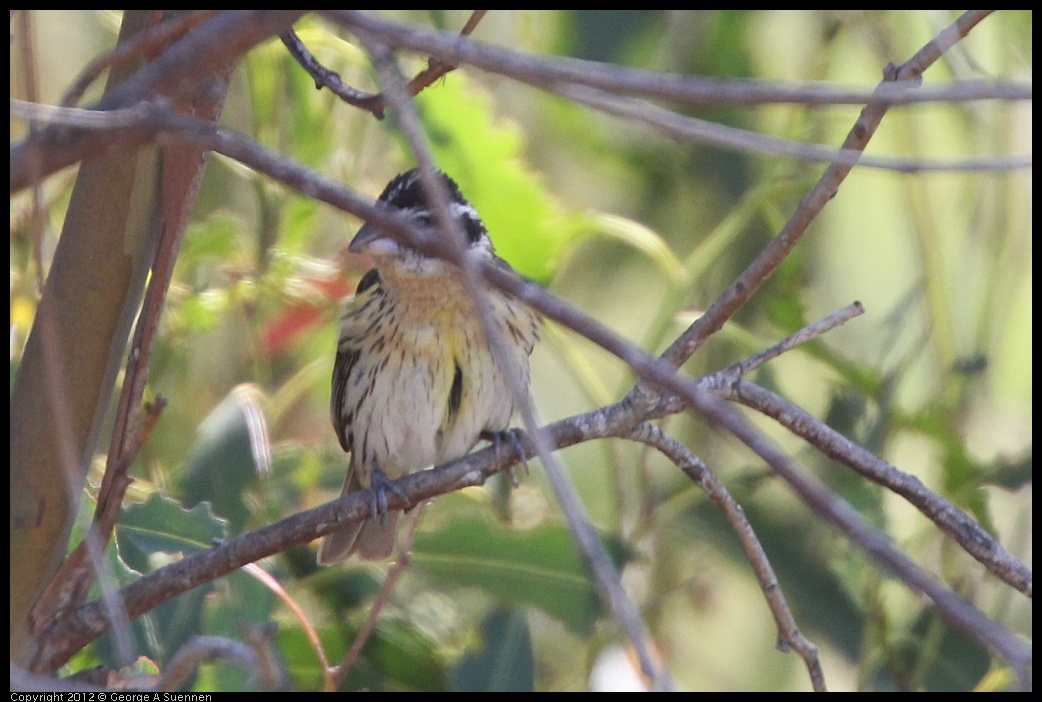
[640, 232]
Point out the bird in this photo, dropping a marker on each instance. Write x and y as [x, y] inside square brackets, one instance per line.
[415, 381]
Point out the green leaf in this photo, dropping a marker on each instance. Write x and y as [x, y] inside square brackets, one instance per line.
[203, 310]
[641, 238]
[409, 658]
[240, 599]
[538, 567]
[484, 155]
[231, 448]
[505, 664]
[163, 525]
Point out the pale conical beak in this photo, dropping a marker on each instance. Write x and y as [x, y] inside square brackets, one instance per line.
[371, 240]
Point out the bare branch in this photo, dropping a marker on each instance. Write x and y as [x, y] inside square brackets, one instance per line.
[326, 78]
[540, 71]
[337, 675]
[789, 634]
[662, 389]
[67, 635]
[823, 502]
[252, 657]
[949, 518]
[768, 260]
[152, 118]
[307, 182]
[146, 42]
[684, 127]
[809, 332]
[585, 536]
[216, 42]
[371, 102]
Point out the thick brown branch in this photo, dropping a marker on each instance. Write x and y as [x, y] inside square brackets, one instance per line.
[215, 43]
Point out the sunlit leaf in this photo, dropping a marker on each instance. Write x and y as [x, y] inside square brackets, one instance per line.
[483, 153]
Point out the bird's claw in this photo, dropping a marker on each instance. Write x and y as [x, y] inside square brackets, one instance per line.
[379, 485]
[514, 437]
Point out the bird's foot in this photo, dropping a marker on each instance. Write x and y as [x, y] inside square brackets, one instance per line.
[379, 485]
[513, 437]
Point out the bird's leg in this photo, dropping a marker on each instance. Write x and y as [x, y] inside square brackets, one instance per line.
[513, 436]
[379, 484]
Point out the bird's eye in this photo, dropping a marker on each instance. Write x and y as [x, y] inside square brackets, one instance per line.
[474, 228]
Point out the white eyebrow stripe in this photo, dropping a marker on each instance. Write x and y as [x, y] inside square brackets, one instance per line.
[458, 209]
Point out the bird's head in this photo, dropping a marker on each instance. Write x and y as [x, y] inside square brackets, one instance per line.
[406, 194]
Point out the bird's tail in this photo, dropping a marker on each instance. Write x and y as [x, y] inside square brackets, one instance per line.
[372, 540]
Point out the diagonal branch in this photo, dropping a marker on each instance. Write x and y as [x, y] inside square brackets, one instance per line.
[948, 518]
[218, 41]
[657, 371]
[819, 498]
[789, 634]
[768, 260]
[594, 554]
[371, 102]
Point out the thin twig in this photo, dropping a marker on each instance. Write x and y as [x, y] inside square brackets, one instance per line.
[772, 255]
[823, 502]
[219, 41]
[67, 635]
[71, 633]
[728, 384]
[337, 675]
[590, 547]
[789, 634]
[253, 656]
[182, 172]
[154, 117]
[540, 70]
[283, 169]
[807, 333]
[371, 102]
[326, 78]
[720, 135]
[69, 586]
[88, 621]
[436, 68]
[950, 519]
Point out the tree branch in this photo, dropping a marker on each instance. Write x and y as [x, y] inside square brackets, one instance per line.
[375, 103]
[789, 634]
[540, 71]
[216, 42]
[823, 502]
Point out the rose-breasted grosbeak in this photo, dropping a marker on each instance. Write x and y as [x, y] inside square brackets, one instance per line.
[415, 382]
